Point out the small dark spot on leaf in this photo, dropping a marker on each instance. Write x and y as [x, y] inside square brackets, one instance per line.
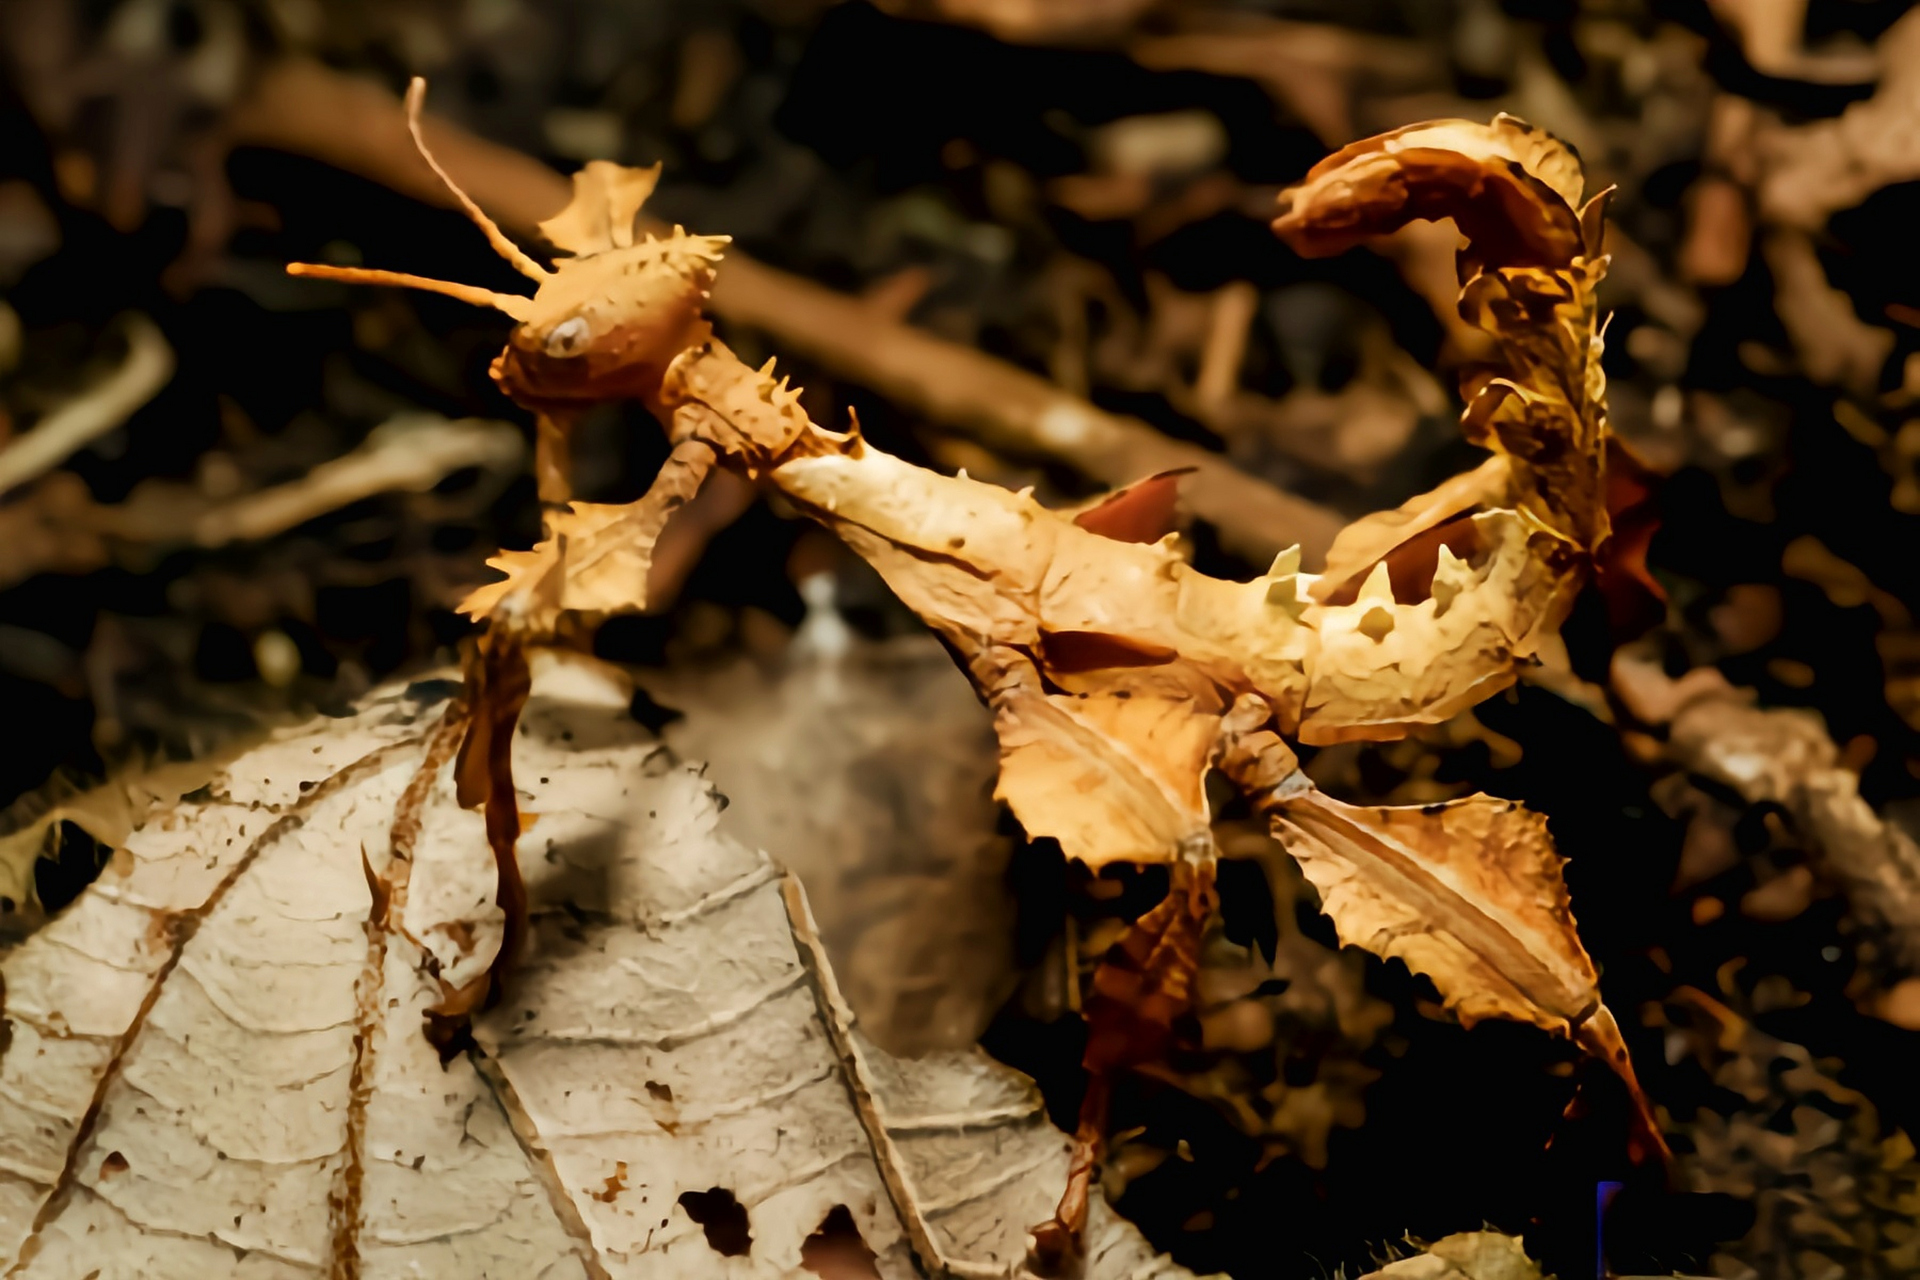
[614, 1185]
[722, 1217]
[306, 786]
[115, 1163]
[419, 1160]
[1433, 810]
[659, 1092]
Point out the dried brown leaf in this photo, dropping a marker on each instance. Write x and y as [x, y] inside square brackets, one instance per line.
[1785, 756]
[1470, 1255]
[1836, 347]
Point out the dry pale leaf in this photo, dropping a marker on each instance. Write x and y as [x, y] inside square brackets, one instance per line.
[216, 1062]
[867, 767]
[107, 813]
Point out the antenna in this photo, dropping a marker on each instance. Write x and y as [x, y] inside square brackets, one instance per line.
[416, 95]
[512, 303]
[515, 305]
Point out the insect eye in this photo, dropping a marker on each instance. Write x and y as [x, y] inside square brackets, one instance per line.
[567, 337]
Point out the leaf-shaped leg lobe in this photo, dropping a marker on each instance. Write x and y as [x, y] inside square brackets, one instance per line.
[1141, 988]
[603, 552]
[1470, 894]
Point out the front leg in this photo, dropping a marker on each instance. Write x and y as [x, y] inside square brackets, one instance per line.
[595, 559]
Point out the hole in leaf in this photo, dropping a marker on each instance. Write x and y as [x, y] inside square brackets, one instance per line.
[70, 860]
[722, 1217]
[836, 1250]
[649, 714]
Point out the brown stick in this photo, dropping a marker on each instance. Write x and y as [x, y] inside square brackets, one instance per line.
[356, 125]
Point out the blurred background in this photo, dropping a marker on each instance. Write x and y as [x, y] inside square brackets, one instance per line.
[229, 498]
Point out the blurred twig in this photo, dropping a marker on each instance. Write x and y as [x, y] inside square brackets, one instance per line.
[400, 455]
[58, 527]
[93, 413]
[1310, 67]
